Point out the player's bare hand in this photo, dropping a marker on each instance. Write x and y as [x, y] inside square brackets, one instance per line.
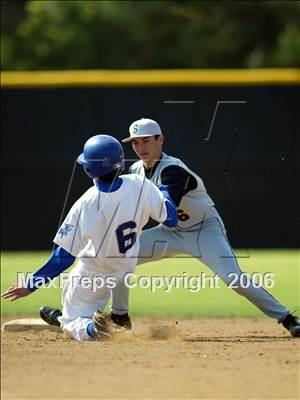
[14, 292]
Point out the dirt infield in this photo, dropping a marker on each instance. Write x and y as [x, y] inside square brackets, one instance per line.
[160, 359]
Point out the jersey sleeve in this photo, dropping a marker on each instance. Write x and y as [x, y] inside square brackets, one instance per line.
[68, 235]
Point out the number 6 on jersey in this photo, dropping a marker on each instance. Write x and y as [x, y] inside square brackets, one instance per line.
[126, 240]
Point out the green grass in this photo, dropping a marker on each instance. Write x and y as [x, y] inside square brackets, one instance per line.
[284, 264]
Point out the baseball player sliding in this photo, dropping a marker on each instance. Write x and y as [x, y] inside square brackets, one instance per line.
[102, 230]
[200, 231]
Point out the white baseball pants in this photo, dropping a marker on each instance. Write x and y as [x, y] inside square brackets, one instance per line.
[80, 300]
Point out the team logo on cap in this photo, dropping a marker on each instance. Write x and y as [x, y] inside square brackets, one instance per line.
[135, 129]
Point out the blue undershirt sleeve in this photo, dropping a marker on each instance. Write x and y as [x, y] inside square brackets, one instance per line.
[172, 218]
[58, 262]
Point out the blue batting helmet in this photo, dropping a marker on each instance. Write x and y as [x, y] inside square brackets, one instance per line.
[102, 154]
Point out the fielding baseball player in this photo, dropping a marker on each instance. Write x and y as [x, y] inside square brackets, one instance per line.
[200, 231]
[101, 230]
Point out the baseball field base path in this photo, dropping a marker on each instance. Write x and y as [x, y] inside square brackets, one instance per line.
[163, 358]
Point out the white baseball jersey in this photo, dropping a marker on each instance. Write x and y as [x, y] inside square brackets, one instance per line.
[194, 205]
[102, 228]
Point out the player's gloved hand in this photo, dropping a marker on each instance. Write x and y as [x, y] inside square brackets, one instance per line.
[14, 292]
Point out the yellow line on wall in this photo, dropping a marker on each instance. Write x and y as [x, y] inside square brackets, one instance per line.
[192, 77]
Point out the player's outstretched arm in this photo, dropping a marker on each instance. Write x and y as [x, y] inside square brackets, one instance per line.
[58, 262]
[14, 292]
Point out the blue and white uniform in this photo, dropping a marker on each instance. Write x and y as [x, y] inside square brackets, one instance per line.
[102, 230]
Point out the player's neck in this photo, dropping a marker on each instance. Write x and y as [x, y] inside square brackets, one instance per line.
[151, 163]
[109, 187]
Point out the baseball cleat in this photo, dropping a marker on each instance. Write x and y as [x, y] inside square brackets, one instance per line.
[121, 320]
[50, 315]
[101, 325]
[292, 324]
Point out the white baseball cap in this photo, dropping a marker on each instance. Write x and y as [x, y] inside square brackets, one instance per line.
[142, 128]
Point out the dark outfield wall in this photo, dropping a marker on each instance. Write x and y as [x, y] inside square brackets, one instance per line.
[251, 172]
